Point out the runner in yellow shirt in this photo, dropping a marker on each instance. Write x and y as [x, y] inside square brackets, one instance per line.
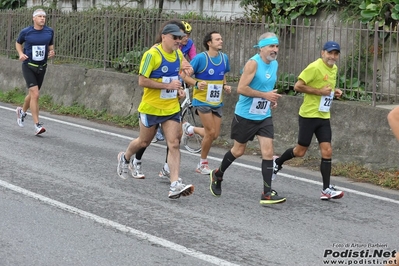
[317, 81]
[159, 75]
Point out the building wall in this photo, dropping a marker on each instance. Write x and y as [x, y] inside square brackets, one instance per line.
[227, 9]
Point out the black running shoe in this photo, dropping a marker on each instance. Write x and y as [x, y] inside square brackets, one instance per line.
[216, 184]
[271, 198]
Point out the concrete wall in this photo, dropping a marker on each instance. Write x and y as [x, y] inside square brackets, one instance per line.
[360, 132]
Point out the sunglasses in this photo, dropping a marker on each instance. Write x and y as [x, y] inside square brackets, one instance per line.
[176, 37]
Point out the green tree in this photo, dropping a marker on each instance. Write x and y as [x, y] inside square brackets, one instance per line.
[280, 9]
[12, 4]
[382, 11]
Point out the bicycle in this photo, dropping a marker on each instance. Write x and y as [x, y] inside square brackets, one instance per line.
[191, 143]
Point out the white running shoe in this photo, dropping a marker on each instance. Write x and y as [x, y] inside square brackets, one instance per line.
[20, 116]
[331, 193]
[123, 167]
[164, 173]
[159, 135]
[203, 169]
[39, 129]
[137, 170]
[178, 189]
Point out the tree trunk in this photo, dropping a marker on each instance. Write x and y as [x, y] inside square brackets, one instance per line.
[160, 6]
[74, 5]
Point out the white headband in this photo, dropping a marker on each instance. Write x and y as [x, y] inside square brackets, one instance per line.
[39, 12]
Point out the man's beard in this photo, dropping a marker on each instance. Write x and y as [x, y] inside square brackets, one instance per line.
[271, 58]
[331, 62]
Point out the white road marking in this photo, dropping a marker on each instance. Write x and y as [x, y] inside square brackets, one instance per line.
[120, 227]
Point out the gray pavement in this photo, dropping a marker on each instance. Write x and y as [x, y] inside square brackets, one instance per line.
[84, 214]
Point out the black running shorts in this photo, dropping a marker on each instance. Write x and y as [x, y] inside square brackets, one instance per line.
[309, 126]
[33, 75]
[244, 130]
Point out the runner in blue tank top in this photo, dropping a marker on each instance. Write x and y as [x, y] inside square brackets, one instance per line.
[210, 68]
[34, 46]
[253, 116]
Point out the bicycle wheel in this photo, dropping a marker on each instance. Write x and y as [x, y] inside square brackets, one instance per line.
[192, 143]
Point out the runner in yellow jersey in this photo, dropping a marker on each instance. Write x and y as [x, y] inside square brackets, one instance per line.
[159, 75]
[317, 81]
[136, 164]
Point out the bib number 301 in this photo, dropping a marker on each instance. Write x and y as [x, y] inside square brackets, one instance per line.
[259, 106]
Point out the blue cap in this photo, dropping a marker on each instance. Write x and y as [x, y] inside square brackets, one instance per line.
[331, 46]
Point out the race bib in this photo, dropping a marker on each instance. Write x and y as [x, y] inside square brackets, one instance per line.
[259, 106]
[214, 92]
[166, 93]
[325, 102]
[38, 52]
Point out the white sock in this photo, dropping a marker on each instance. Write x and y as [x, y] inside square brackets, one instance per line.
[166, 167]
[203, 161]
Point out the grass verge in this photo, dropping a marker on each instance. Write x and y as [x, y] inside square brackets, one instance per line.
[351, 170]
[17, 96]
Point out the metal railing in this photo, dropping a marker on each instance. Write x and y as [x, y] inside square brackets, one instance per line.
[110, 39]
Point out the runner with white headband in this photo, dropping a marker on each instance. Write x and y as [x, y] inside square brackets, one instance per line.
[39, 12]
[34, 46]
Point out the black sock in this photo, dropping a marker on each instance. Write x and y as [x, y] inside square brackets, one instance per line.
[228, 159]
[325, 169]
[167, 152]
[139, 154]
[267, 172]
[126, 160]
[287, 155]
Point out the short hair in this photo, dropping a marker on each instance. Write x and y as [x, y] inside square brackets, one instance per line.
[266, 35]
[158, 39]
[208, 38]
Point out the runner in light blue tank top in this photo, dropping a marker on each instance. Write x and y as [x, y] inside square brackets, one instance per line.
[264, 80]
[253, 117]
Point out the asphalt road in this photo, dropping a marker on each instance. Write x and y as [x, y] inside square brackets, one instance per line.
[62, 203]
